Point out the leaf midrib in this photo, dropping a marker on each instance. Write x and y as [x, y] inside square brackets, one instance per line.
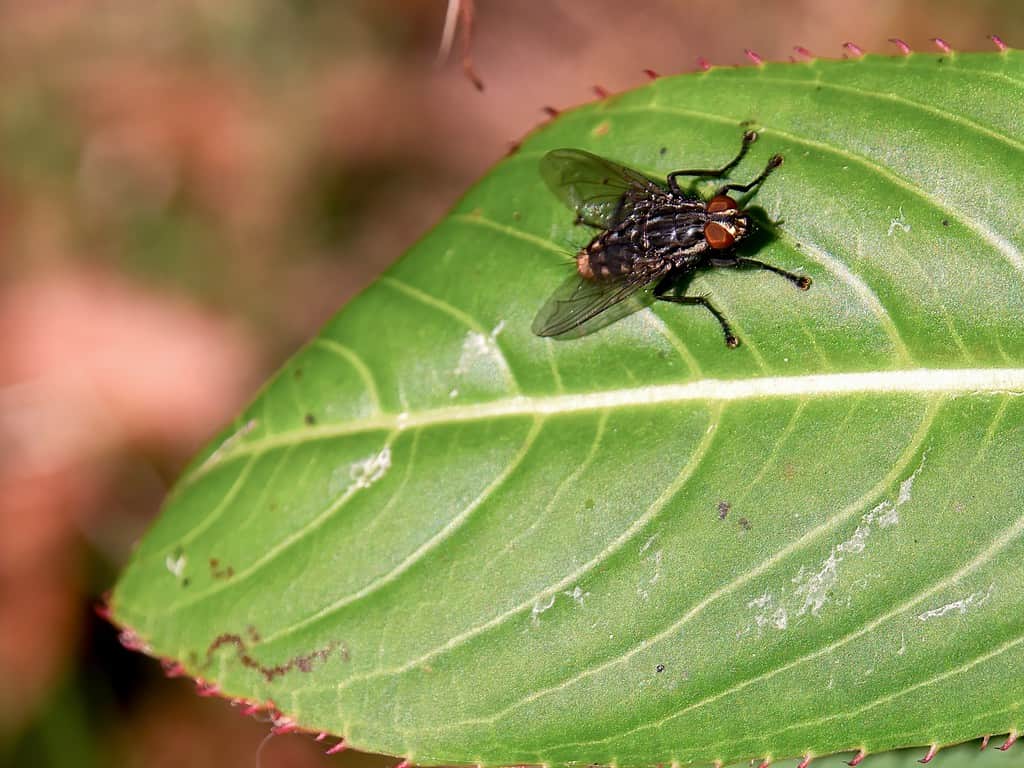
[914, 381]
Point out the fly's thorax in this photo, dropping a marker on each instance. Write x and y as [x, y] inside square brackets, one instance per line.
[674, 230]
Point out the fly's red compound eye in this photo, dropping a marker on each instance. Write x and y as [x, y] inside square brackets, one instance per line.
[718, 236]
[721, 204]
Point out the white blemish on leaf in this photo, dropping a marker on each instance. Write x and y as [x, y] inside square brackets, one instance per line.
[480, 359]
[655, 558]
[367, 472]
[898, 223]
[231, 440]
[770, 615]
[814, 587]
[962, 606]
[176, 565]
[476, 347]
[577, 595]
[657, 566]
[539, 608]
[647, 544]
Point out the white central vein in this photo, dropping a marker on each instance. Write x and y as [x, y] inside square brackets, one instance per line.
[917, 381]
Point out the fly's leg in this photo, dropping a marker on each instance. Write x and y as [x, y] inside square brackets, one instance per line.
[774, 163]
[666, 283]
[800, 281]
[748, 138]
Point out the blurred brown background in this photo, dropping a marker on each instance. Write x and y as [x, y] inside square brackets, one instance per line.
[188, 189]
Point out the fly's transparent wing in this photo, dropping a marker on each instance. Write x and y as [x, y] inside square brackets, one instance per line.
[578, 301]
[599, 191]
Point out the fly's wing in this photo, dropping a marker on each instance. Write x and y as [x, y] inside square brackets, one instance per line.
[578, 301]
[599, 191]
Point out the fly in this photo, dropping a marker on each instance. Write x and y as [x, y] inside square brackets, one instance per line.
[652, 233]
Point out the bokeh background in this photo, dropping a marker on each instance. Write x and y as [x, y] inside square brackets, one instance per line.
[188, 190]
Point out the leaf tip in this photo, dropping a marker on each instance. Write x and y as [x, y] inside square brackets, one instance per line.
[206, 689]
[754, 56]
[131, 641]
[858, 759]
[172, 668]
[283, 724]
[904, 48]
[1010, 741]
[852, 49]
[942, 45]
[102, 608]
[801, 51]
[341, 746]
[998, 41]
[933, 750]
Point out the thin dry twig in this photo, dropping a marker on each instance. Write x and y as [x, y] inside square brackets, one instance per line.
[460, 11]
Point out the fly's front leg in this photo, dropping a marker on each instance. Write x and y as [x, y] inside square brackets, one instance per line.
[803, 282]
[660, 293]
[774, 163]
[748, 138]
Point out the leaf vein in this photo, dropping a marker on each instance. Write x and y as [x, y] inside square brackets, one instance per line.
[739, 581]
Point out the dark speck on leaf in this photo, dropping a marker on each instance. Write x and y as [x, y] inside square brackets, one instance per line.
[298, 373]
[186, 581]
[723, 509]
[663, 150]
[745, 524]
[588, 504]
[660, 668]
[310, 419]
[945, 222]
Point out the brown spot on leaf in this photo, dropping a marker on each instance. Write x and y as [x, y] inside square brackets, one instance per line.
[306, 662]
[218, 572]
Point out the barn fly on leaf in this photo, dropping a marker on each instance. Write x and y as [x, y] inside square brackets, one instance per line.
[651, 234]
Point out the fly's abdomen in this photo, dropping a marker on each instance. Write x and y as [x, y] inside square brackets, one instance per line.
[609, 255]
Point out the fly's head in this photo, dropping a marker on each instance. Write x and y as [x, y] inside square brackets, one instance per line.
[726, 224]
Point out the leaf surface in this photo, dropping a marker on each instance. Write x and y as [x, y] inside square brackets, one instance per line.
[442, 537]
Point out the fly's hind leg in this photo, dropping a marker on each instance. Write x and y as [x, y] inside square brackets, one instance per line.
[666, 283]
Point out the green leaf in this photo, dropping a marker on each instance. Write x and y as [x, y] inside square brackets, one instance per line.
[444, 538]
